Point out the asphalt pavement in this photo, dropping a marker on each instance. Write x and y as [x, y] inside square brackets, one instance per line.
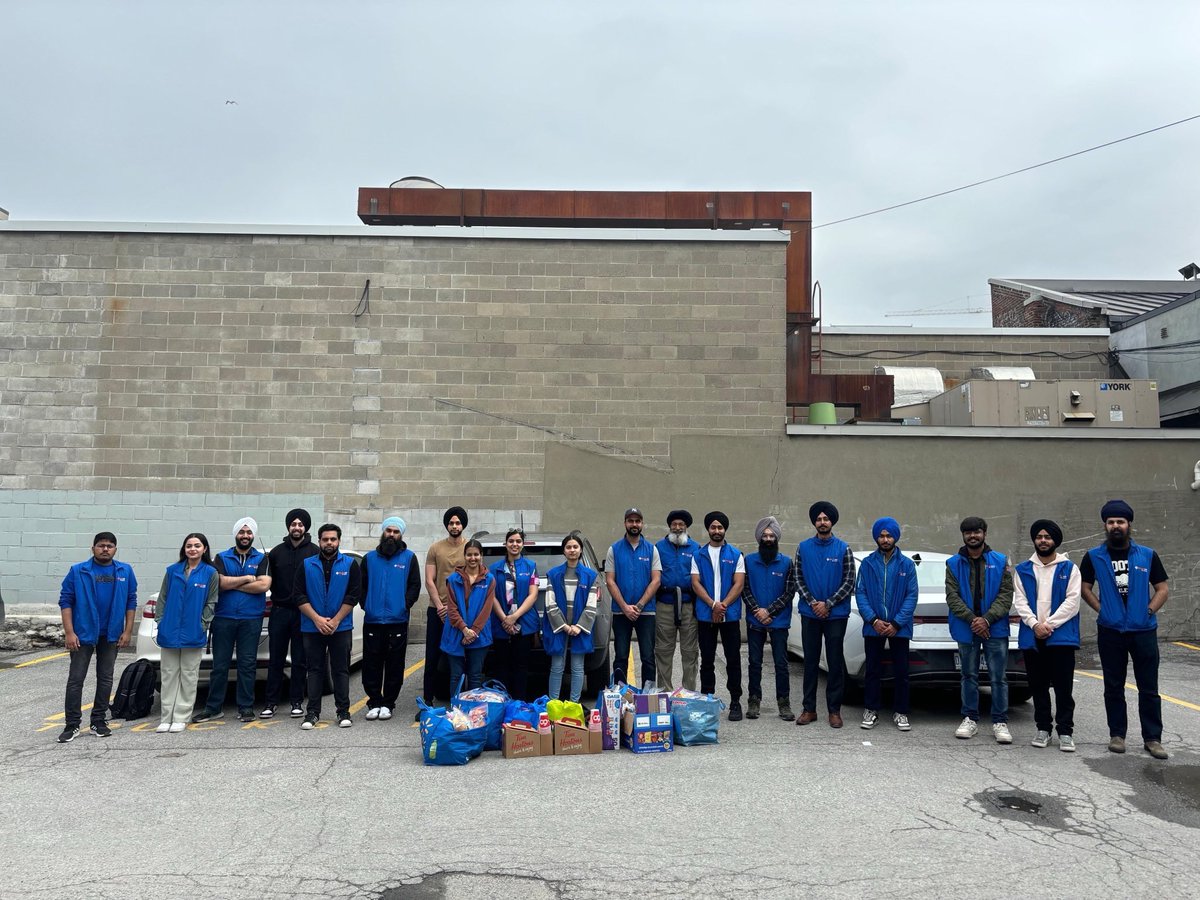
[268, 810]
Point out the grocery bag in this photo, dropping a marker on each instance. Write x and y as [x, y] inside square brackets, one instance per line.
[695, 720]
[496, 697]
[565, 709]
[444, 745]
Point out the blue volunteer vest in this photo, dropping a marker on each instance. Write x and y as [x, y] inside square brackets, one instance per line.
[887, 590]
[1133, 614]
[526, 571]
[676, 569]
[633, 571]
[728, 562]
[78, 594]
[469, 607]
[821, 563]
[239, 604]
[181, 624]
[327, 601]
[1067, 634]
[768, 583]
[387, 584]
[994, 563]
[553, 642]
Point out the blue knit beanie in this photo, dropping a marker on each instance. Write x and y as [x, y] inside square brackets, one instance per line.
[888, 524]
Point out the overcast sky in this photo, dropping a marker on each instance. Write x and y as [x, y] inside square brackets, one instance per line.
[118, 112]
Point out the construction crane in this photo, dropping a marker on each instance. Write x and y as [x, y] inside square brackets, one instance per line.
[940, 310]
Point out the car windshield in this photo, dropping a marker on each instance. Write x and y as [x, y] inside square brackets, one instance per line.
[931, 574]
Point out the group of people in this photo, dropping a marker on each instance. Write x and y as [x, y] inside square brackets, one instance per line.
[668, 594]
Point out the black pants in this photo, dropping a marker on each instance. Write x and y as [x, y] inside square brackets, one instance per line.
[105, 652]
[433, 654]
[832, 632]
[623, 631]
[873, 692]
[337, 647]
[730, 634]
[1052, 667]
[512, 662]
[384, 647]
[1116, 649]
[283, 636]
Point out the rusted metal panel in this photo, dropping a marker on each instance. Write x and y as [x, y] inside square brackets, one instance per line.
[594, 206]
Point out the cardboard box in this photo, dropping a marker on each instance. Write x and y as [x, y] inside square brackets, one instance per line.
[609, 706]
[647, 732]
[647, 703]
[523, 743]
[573, 740]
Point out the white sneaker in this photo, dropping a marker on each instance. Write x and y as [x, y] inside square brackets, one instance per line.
[177, 727]
[967, 729]
[163, 728]
[1003, 735]
[870, 717]
[372, 713]
[384, 713]
[1041, 739]
[901, 721]
[1066, 743]
[345, 722]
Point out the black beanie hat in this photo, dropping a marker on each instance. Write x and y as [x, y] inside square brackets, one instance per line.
[302, 515]
[1116, 509]
[716, 516]
[823, 506]
[454, 511]
[1050, 527]
[679, 514]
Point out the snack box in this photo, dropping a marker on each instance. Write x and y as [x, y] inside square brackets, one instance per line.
[647, 732]
[523, 743]
[571, 739]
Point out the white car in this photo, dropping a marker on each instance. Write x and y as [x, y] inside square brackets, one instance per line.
[933, 657]
[147, 643]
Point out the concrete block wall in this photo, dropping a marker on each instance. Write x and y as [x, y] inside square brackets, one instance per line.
[234, 364]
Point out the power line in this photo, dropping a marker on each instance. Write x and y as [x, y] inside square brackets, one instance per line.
[1048, 162]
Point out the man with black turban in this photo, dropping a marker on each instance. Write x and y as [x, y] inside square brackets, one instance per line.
[286, 564]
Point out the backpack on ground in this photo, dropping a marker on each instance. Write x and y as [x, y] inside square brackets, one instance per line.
[135, 691]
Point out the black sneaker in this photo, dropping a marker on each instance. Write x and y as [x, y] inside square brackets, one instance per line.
[267, 711]
[245, 715]
[297, 710]
[310, 722]
[205, 715]
[735, 711]
[101, 729]
[417, 717]
[753, 709]
[68, 734]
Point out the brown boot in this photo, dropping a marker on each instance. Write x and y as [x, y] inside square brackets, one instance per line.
[835, 720]
[807, 717]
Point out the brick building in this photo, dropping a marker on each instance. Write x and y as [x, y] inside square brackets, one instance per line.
[1078, 303]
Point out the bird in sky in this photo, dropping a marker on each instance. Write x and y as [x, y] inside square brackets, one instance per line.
[231, 103]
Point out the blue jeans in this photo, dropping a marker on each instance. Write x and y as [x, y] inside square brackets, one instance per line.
[623, 631]
[230, 636]
[473, 663]
[996, 650]
[756, 639]
[557, 664]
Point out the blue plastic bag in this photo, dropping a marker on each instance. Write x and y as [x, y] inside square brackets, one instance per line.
[495, 710]
[441, 744]
[520, 711]
[696, 720]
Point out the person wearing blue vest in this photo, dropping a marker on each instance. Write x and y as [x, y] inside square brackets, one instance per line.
[186, 603]
[675, 617]
[516, 621]
[1126, 584]
[97, 602]
[1046, 595]
[237, 625]
[391, 584]
[822, 581]
[467, 632]
[571, 606]
[633, 572]
[768, 615]
[332, 588]
[718, 576]
[886, 593]
[979, 591]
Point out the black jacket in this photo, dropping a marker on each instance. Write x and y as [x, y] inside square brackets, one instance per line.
[286, 563]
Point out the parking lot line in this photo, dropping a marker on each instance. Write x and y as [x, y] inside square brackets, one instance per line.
[1185, 645]
[1133, 687]
[40, 659]
[357, 707]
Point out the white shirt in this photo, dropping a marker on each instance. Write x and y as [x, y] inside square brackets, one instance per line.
[1044, 575]
[714, 554]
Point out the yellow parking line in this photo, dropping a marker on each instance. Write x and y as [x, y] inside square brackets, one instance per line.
[40, 659]
[63, 715]
[1183, 644]
[357, 707]
[1133, 687]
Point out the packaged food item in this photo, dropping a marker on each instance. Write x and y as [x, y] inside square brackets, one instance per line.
[594, 720]
[459, 719]
[478, 716]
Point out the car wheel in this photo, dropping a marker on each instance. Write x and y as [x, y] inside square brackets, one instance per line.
[596, 679]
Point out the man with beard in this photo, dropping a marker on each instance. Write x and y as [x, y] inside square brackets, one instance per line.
[768, 613]
[441, 560]
[718, 576]
[676, 616]
[823, 578]
[332, 588]
[979, 592]
[391, 585]
[1127, 585]
[633, 571]
[237, 621]
[1046, 598]
[887, 598]
[286, 565]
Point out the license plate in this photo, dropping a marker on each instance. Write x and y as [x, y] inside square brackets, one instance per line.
[958, 662]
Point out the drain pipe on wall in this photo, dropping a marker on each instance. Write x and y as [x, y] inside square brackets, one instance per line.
[1196, 475]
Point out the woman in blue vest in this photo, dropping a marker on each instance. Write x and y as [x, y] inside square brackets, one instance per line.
[516, 621]
[570, 615]
[186, 602]
[467, 632]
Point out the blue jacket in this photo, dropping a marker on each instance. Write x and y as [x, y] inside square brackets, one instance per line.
[768, 583]
[729, 559]
[326, 602]
[633, 571]
[554, 642]
[994, 563]
[526, 571]
[183, 610]
[469, 608]
[78, 594]
[240, 604]
[385, 602]
[1134, 613]
[676, 570]
[821, 562]
[1065, 635]
[887, 589]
